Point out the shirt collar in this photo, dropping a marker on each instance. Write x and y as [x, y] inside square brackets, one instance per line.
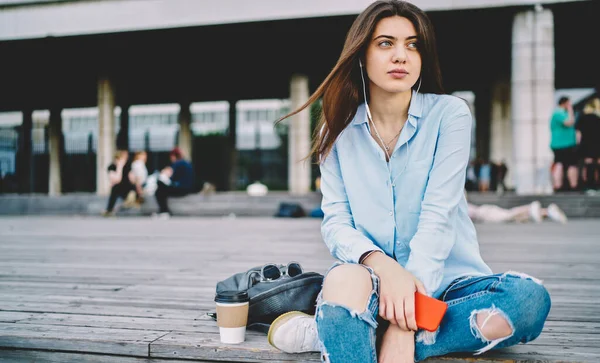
[415, 109]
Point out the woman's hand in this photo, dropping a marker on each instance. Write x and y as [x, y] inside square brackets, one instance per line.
[396, 291]
[397, 346]
[167, 171]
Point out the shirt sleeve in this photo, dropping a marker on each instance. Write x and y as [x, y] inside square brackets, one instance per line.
[434, 239]
[345, 242]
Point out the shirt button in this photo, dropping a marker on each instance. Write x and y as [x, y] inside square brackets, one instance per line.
[391, 213]
[394, 185]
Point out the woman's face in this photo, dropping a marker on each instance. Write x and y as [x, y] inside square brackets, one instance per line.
[393, 61]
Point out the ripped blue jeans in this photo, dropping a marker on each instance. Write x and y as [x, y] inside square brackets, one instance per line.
[353, 336]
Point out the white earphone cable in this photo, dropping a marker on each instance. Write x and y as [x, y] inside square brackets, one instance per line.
[377, 132]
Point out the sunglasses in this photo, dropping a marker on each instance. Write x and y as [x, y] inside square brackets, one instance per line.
[272, 272]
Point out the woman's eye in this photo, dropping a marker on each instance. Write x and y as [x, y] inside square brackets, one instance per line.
[412, 45]
[385, 43]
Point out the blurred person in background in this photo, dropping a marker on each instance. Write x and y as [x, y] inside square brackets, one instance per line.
[485, 176]
[119, 179]
[471, 183]
[501, 171]
[588, 126]
[139, 174]
[176, 180]
[564, 146]
[533, 212]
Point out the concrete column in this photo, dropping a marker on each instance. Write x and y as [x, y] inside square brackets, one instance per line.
[26, 160]
[106, 134]
[54, 148]
[299, 138]
[185, 131]
[233, 153]
[123, 135]
[532, 99]
[501, 143]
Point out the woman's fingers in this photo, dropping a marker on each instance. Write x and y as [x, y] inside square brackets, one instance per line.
[382, 308]
[390, 313]
[409, 312]
[399, 307]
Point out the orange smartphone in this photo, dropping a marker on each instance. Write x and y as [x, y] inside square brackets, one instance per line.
[429, 312]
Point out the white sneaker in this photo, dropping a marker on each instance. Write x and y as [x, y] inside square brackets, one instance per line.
[164, 215]
[294, 332]
[165, 179]
[535, 211]
[556, 214]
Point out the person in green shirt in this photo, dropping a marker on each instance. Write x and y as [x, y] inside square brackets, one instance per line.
[564, 145]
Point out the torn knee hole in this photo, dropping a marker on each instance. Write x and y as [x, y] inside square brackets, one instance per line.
[491, 325]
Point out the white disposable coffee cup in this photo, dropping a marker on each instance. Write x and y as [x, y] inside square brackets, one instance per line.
[232, 315]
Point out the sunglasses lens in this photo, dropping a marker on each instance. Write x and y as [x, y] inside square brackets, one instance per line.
[271, 272]
[294, 269]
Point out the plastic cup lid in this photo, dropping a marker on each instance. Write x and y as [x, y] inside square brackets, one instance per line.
[232, 297]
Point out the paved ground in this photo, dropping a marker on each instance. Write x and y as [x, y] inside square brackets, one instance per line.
[128, 289]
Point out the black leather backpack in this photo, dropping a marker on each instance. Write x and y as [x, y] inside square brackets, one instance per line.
[270, 299]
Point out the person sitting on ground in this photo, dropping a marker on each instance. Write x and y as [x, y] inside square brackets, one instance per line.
[176, 180]
[533, 212]
[120, 180]
[139, 175]
[393, 152]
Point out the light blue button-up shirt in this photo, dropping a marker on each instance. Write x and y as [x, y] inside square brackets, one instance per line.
[413, 207]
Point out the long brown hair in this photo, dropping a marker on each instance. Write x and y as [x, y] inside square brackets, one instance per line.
[341, 89]
[592, 106]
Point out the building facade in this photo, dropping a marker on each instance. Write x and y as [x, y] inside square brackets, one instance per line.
[125, 63]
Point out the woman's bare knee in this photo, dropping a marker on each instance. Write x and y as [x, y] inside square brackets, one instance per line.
[348, 285]
[494, 327]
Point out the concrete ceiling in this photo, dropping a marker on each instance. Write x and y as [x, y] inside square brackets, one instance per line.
[256, 60]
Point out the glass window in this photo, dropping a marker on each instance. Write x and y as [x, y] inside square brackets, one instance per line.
[262, 115]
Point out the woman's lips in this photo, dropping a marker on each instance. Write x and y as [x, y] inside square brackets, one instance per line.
[398, 74]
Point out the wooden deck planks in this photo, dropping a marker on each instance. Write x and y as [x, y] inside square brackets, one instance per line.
[140, 288]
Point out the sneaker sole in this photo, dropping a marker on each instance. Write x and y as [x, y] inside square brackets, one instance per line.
[282, 319]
